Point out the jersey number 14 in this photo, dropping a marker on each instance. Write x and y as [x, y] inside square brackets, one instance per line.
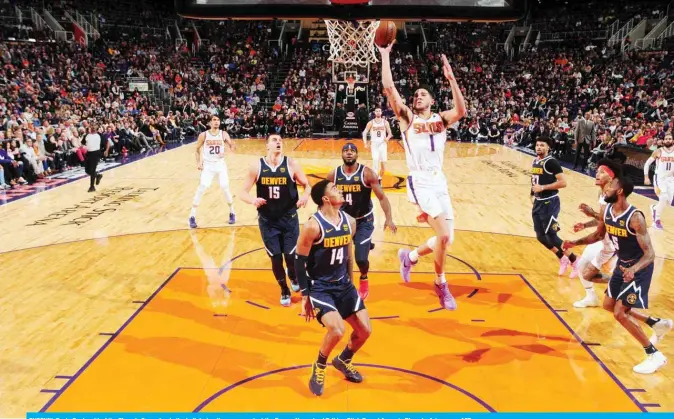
[337, 256]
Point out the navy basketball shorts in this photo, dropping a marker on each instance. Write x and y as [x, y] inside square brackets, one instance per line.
[634, 293]
[545, 214]
[363, 237]
[341, 297]
[279, 236]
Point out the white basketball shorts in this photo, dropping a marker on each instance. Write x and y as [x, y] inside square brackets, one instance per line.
[429, 191]
[379, 152]
[600, 253]
[212, 169]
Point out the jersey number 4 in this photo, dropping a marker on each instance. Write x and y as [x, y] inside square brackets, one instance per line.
[274, 192]
[348, 199]
[337, 255]
[214, 149]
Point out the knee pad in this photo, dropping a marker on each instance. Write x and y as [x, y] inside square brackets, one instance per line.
[431, 242]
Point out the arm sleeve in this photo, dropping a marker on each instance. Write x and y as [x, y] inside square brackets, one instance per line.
[647, 165]
[302, 275]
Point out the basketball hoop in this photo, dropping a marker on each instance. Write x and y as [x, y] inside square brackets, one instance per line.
[352, 43]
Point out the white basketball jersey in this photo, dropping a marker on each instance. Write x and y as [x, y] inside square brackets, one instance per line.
[378, 132]
[665, 167]
[214, 147]
[424, 143]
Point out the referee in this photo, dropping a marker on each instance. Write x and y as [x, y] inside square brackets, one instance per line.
[93, 143]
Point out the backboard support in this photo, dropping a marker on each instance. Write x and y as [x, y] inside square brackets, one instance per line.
[408, 10]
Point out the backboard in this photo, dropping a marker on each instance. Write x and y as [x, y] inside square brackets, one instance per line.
[409, 10]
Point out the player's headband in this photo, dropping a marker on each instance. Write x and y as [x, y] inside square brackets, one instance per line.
[607, 170]
[350, 146]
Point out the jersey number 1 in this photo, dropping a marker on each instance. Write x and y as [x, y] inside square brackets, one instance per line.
[274, 192]
[337, 255]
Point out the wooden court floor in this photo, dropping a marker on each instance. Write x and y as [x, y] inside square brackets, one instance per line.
[110, 303]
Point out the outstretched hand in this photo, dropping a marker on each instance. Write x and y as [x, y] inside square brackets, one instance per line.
[386, 49]
[447, 69]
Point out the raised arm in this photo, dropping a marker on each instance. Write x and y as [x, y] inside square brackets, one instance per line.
[248, 181]
[450, 117]
[308, 236]
[300, 179]
[372, 181]
[395, 101]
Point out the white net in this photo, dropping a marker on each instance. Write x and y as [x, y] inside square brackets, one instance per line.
[352, 43]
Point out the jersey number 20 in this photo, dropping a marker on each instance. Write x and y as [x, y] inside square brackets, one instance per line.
[214, 149]
[337, 255]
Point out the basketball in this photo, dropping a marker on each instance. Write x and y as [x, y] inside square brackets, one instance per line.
[386, 33]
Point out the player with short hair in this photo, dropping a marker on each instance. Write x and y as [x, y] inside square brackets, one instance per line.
[547, 178]
[357, 182]
[663, 179]
[210, 156]
[276, 178]
[631, 279]
[324, 265]
[597, 254]
[380, 133]
[424, 134]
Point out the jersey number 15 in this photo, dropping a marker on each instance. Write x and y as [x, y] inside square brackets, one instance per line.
[274, 192]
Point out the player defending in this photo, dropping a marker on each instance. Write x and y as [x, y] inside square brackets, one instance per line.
[356, 182]
[211, 161]
[424, 136]
[547, 178]
[664, 178]
[324, 265]
[380, 134]
[598, 254]
[629, 284]
[276, 178]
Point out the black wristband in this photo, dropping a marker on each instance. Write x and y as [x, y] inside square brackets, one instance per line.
[301, 272]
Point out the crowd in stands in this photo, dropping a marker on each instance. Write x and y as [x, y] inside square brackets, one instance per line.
[50, 91]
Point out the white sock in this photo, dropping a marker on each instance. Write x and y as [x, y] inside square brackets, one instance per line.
[414, 256]
[440, 279]
[231, 208]
[193, 212]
